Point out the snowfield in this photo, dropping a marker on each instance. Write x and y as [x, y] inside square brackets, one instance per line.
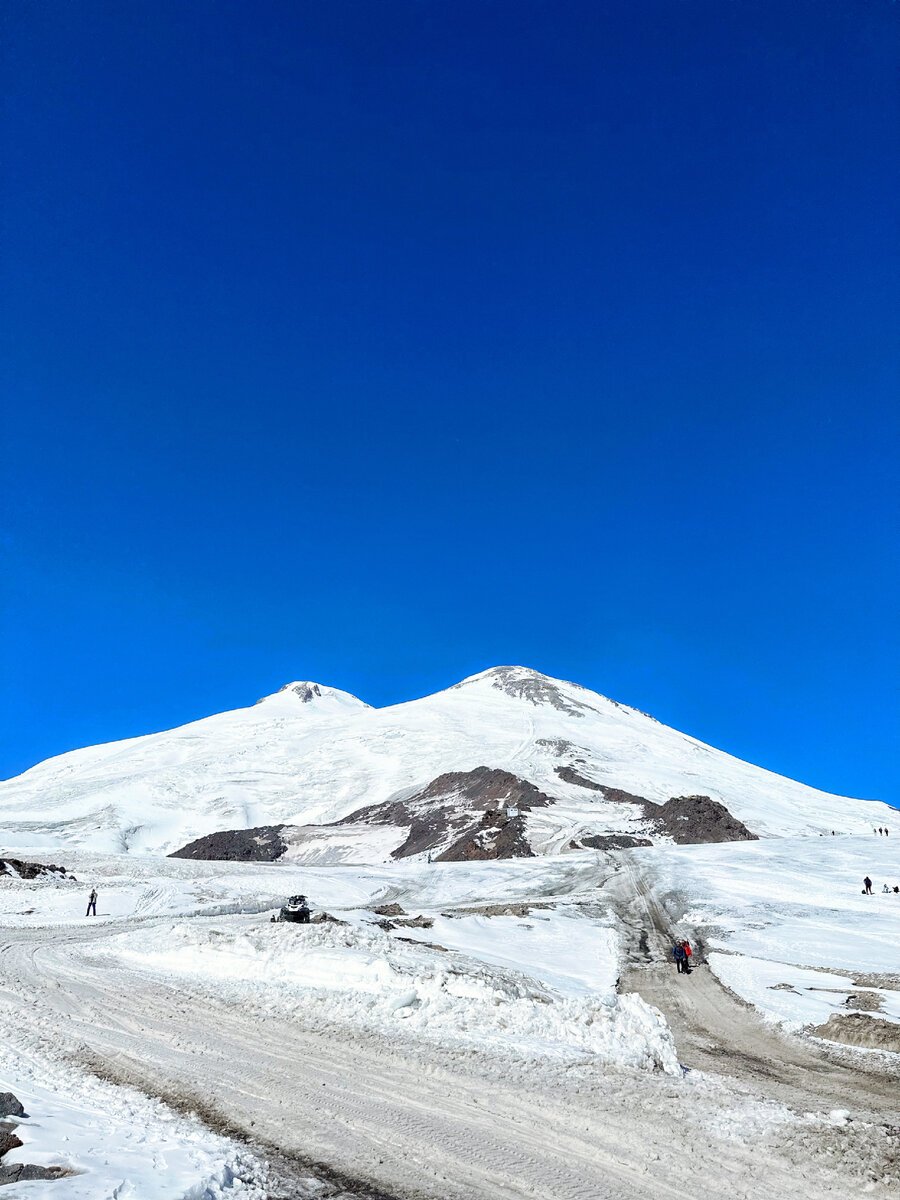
[780, 913]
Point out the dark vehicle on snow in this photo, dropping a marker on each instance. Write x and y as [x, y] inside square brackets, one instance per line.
[296, 909]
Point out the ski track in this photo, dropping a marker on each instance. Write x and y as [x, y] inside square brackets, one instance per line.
[411, 1121]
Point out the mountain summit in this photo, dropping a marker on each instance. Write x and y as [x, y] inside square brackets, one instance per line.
[307, 692]
[311, 755]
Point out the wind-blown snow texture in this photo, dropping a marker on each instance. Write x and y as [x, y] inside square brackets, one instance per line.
[311, 754]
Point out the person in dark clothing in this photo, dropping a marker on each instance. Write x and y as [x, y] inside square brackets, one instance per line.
[868, 882]
[92, 904]
[680, 957]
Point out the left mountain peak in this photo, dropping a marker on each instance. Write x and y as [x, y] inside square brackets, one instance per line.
[308, 692]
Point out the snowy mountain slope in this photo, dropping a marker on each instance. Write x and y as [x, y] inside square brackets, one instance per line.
[309, 755]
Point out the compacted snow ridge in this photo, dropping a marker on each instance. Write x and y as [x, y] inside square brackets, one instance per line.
[445, 1030]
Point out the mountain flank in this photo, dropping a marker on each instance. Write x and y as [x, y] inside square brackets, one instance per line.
[367, 784]
[468, 816]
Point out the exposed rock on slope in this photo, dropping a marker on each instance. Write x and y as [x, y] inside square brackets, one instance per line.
[263, 844]
[31, 870]
[497, 836]
[467, 809]
[690, 820]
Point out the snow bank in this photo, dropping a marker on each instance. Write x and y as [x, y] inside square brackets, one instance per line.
[366, 978]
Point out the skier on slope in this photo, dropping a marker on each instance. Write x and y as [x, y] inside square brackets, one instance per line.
[92, 904]
[868, 886]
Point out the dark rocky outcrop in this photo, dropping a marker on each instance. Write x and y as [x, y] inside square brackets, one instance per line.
[467, 816]
[616, 795]
[31, 870]
[497, 836]
[262, 844]
[11, 1106]
[612, 841]
[691, 820]
[23, 1172]
[471, 807]
[688, 820]
[8, 1140]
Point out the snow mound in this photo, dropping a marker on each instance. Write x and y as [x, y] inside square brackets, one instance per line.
[364, 978]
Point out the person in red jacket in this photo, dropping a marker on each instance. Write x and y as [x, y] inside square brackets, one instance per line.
[687, 956]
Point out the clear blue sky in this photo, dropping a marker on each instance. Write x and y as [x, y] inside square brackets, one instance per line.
[380, 343]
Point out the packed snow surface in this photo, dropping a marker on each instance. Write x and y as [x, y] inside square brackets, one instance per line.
[513, 962]
[115, 1143]
[788, 923]
[311, 754]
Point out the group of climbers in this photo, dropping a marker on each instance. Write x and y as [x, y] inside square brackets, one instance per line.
[867, 887]
[682, 954]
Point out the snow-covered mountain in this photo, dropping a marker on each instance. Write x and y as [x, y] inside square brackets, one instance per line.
[311, 755]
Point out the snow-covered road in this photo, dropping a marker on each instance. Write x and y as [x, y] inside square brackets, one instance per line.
[416, 1114]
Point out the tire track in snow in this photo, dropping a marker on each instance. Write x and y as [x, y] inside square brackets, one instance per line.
[403, 1119]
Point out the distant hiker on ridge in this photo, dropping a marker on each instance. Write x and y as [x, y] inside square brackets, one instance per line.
[868, 882]
[92, 904]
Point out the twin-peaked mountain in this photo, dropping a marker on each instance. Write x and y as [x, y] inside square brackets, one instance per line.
[507, 762]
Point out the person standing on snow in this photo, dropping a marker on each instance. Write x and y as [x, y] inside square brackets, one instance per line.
[92, 904]
[868, 882]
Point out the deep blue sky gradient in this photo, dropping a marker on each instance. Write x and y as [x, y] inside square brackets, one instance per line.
[380, 343]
